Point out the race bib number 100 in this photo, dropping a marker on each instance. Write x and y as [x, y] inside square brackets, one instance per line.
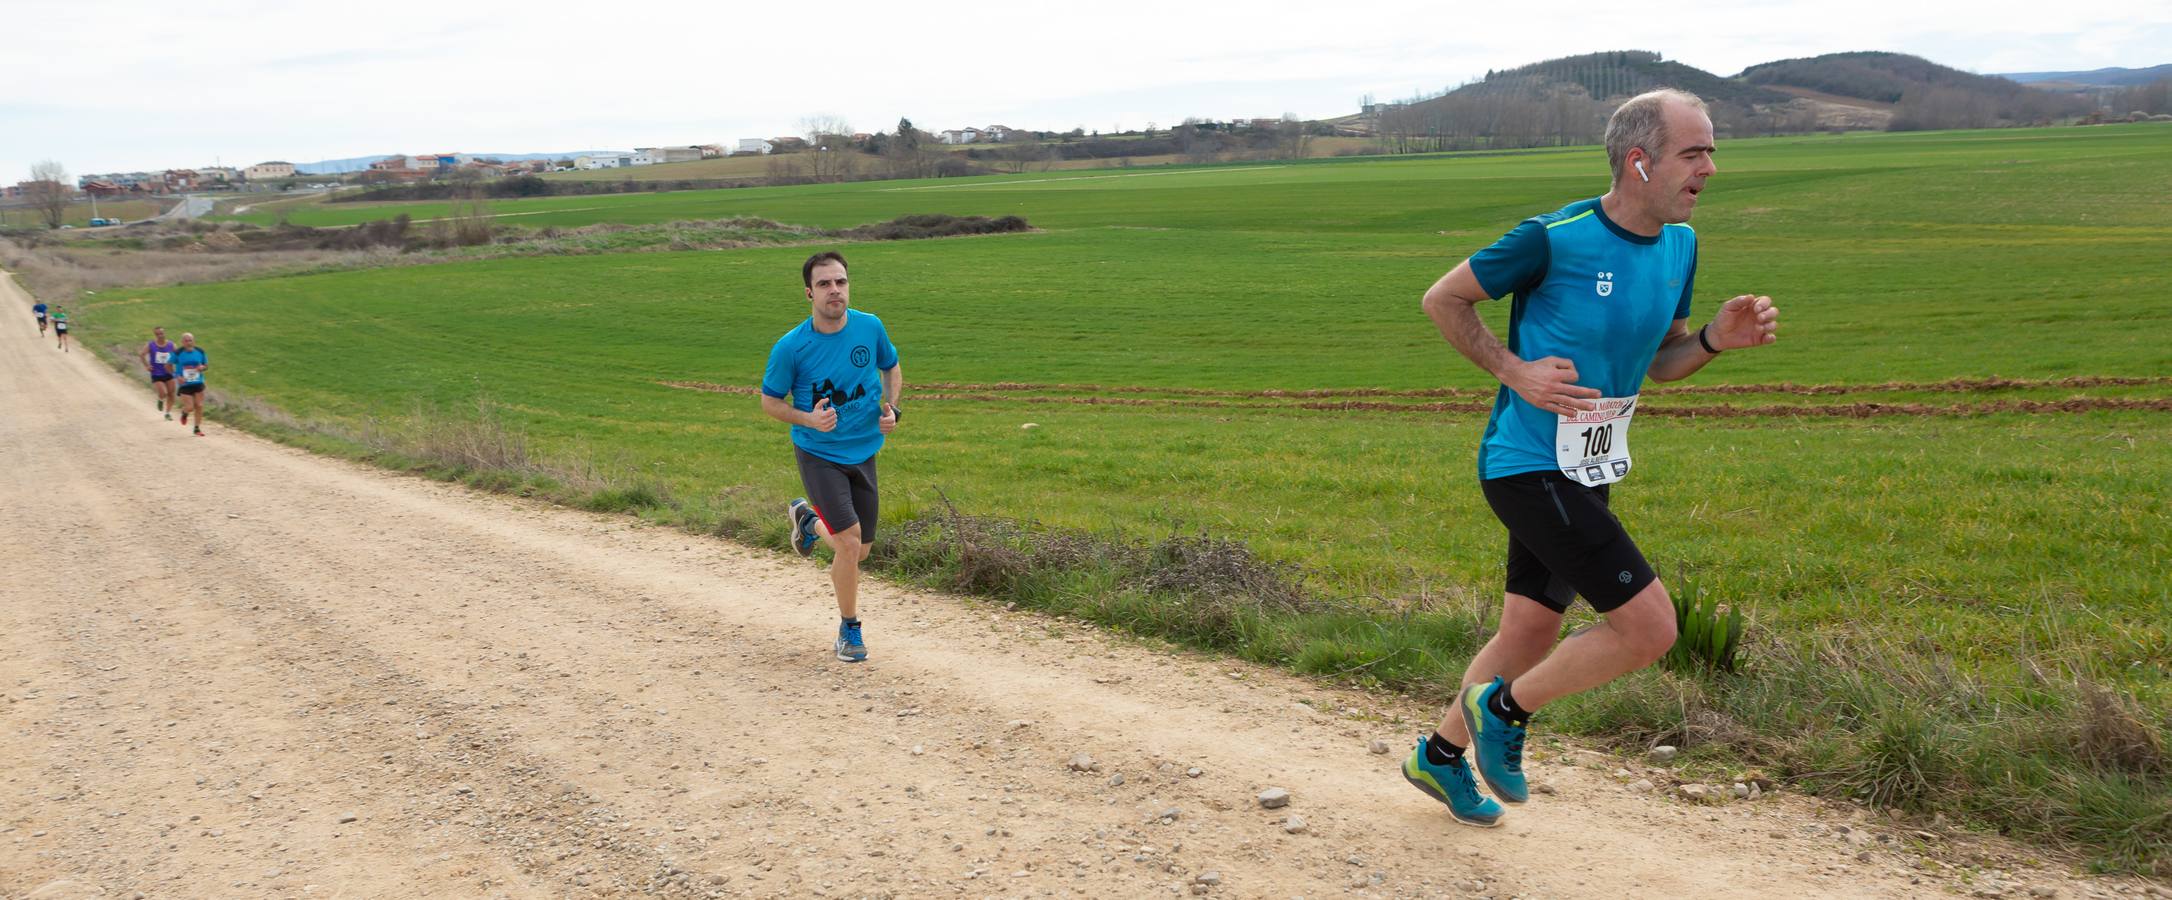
[1592, 447]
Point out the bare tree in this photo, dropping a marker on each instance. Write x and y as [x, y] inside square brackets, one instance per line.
[1291, 139]
[817, 128]
[911, 153]
[48, 191]
[832, 155]
[472, 223]
[784, 169]
[1022, 157]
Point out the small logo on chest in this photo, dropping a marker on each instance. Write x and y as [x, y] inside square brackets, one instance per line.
[1606, 284]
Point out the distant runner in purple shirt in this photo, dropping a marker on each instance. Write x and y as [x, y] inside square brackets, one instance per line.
[158, 361]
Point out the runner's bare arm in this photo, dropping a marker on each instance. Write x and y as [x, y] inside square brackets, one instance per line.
[1549, 384]
[893, 382]
[781, 410]
[1745, 321]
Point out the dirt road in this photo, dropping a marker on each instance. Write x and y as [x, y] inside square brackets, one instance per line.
[231, 669]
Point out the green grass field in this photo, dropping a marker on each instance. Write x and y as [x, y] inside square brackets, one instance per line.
[79, 214]
[2014, 533]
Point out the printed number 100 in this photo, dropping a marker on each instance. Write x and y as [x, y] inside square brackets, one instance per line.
[1597, 441]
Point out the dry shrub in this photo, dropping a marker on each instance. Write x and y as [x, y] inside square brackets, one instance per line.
[482, 443]
[921, 227]
[986, 553]
[2111, 736]
[1217, 579]
[1205, 566]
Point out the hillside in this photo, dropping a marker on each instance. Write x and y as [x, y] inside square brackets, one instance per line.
[1565, 101]
[1623, 73]
[1561, 102]
[1924, 94]
[1872, 75]
[2111, 77]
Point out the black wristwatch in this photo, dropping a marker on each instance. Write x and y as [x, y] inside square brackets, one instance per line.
[896, 415]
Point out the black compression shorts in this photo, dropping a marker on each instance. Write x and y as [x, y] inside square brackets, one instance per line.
[842, 495]
[1563, 542]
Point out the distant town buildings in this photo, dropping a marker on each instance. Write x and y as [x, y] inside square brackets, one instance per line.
[754, 145]
[993, 134]
[268, 171]
[651, 156]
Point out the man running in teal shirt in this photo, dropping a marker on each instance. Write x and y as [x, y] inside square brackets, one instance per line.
[1602, 292]
[835, 379]
[190, 362]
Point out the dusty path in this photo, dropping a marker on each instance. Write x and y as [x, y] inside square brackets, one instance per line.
[228, 668]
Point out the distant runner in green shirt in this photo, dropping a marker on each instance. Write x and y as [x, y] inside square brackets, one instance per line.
[60, 327]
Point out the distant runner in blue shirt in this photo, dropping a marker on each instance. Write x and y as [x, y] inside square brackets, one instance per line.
[1602, 292]
[157, 356]
[38, 309]
[189, 363]
[835, 379]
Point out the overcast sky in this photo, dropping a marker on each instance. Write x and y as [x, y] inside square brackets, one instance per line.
[105, 85]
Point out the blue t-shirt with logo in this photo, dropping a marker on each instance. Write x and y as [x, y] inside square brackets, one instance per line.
[190, 363]
[807, 365]
[39, 309]
[1591, 292]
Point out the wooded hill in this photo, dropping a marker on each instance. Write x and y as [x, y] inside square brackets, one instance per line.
[1566, 101]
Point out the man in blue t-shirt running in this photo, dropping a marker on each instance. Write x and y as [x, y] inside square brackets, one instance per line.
[835, 379]
[190, 363]
[1602, 302]
[38, 309]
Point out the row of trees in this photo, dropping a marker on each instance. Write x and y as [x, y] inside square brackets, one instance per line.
[832, 153]
[1926, 107]
[2153, 99]
[1498, 119]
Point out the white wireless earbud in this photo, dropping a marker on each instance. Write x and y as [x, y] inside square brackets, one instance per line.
[1640, 170]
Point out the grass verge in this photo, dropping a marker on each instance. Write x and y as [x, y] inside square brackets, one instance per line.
[2047, 756]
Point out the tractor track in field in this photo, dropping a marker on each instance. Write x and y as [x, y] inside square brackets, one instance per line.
[1199, 400]
[1950, 386]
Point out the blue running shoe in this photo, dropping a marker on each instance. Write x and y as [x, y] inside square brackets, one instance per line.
[804, 534]
[849, 646]
[1497, 742]
[1451, 784]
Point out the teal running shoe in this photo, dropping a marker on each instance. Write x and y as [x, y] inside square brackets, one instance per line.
[1451, 784]
[850, 647]
[1497, 742]
[804, 534]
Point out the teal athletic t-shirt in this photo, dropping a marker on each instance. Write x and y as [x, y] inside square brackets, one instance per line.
[1591, 292]
[190, 365]
[807, 365]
